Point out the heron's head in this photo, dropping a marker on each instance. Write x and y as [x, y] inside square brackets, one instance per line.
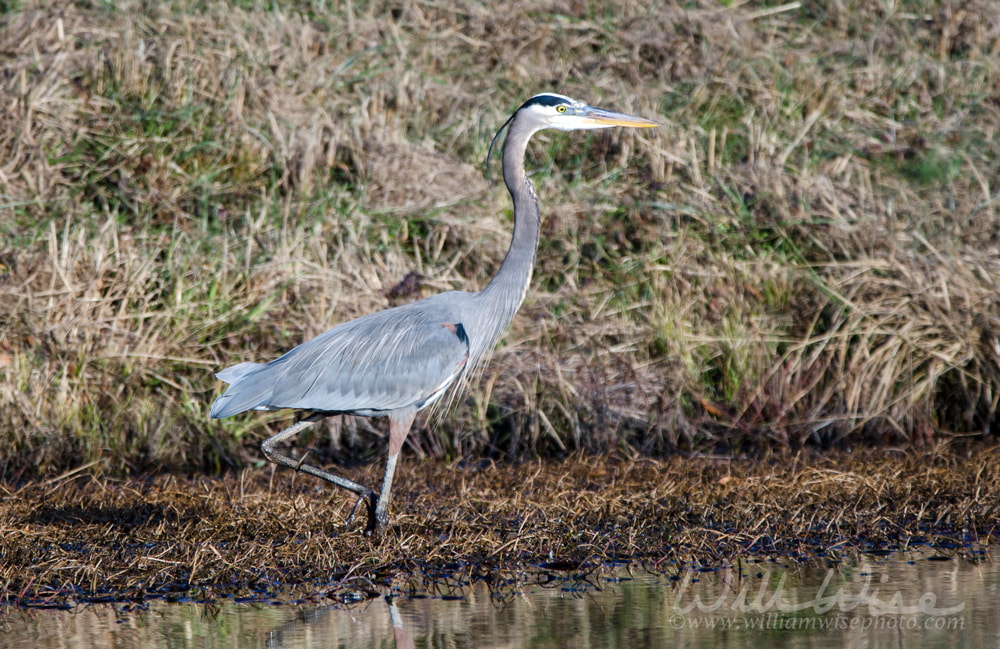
[549, 110]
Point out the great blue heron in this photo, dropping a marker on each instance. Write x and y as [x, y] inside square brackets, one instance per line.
[397, 362]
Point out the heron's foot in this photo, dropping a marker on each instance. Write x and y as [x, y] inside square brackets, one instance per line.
[354, 511]
[376, 523]
[378, 520]
[381, 518]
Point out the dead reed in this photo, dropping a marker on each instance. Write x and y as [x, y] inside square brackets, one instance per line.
[265, 535]
[806, 254]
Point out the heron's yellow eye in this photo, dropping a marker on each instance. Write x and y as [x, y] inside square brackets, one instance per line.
[560, 109]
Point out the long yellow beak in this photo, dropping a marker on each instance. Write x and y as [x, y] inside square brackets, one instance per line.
[601, 117]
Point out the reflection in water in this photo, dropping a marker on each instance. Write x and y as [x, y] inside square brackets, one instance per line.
[399, 632]
[901, 600]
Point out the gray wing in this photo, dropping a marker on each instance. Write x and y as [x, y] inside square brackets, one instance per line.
[401, 357]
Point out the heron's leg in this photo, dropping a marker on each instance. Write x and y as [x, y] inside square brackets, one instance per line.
[399, 427]
[268, 446]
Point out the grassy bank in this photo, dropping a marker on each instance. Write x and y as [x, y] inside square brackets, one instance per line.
[807, 252]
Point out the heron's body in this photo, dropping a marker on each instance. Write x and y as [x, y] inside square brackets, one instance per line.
[397, 362]
[359, 367]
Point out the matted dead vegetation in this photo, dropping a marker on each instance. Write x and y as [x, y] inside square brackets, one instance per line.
[271, 536]
[806, 253]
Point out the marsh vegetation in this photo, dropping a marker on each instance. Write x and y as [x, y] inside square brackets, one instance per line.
[806, 253]
[805, 256]
[261, 536]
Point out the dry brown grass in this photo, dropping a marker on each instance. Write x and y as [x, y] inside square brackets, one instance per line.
[262, 535]
[807, 253]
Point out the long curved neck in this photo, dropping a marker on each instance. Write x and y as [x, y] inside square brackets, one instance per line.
[505, 292]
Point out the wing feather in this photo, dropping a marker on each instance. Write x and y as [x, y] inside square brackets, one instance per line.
[401, 357]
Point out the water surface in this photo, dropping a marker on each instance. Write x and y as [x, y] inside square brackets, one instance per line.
[916, 599]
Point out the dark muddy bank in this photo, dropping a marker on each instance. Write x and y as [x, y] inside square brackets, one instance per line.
[264, 535]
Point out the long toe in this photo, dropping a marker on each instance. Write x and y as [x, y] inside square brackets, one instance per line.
[354, 511]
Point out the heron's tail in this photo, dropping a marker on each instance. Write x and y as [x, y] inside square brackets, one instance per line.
[235, 400]
[236, 372]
